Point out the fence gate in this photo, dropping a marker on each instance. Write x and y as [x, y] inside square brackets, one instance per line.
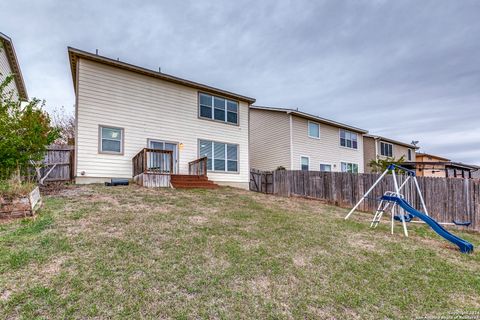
[61, 159]
[261, 181]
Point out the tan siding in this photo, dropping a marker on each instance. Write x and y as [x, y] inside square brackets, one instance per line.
[146, 108]
[6, 70]
[398, 151]
[326, 150]
[269, 139]
[368, 152]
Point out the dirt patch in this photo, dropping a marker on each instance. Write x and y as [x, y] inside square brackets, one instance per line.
[5, 295]
[301, 261]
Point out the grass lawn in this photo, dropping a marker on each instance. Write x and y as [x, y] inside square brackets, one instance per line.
[128, 252]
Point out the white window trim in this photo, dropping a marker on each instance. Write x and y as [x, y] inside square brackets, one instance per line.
[386, 143]
[345, 147]
[226, 156]
[213, 109]
[301, 162]
[349, 162]
[325, 164]
[308, 130]
[100, 140]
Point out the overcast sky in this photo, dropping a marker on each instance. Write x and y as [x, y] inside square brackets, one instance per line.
[408, 70]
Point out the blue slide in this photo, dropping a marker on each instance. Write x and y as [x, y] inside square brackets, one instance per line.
[465, 246]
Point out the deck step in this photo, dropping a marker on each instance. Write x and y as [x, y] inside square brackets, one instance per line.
[183, 181]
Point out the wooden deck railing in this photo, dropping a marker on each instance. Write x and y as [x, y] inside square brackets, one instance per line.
[198, 167]
[153, 161]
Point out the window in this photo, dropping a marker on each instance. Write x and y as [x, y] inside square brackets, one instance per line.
[349, 167]
[386, 149]
[325, 167]
[111, 140]
[221, 156]
[313, 130]
[348, 139]
[217, 108]
[409, 154]
[304, 162]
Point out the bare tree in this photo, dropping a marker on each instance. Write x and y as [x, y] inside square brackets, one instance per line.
[65, 122]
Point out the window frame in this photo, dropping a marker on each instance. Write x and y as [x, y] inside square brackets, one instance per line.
[345, 146]
[386, 144]
[308, 129]
[349, 163]
[301, 164]
[100, 140]
[409, 154]
[226, 156]
[325, 164]
[213, 109]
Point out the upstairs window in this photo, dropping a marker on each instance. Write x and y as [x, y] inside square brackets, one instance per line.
[218, 109]
[304, 163]
[409, 154]
[386, 149]
[111, 140]
[349, 167]
[313, 130]
[348, 139]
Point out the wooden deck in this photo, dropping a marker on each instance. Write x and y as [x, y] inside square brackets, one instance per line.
[153, 168]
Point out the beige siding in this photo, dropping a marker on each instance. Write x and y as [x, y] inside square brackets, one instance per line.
[6, 70]
[372, 151]
[326, 150]
[269, 140]
[146, 108]
[369, 153]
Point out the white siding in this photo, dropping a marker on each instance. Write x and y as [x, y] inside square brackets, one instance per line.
[146, 108]
[6, 70]
[326, 150]
[269, 139]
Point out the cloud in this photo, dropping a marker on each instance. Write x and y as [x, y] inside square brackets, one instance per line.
[403, 69]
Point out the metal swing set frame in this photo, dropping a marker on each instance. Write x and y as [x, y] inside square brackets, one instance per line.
[385, 205]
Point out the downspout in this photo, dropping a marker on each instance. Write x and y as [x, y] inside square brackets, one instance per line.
[291, 140]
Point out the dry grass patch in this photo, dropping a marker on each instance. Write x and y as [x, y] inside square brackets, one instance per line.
[130, 252]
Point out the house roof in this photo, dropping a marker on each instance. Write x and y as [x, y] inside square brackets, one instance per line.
[408, 145]
[13, 61]
[459, 165]
[422, 154]
[75, 54]
[308, 116]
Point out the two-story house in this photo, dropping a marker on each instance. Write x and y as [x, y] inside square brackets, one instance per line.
[377, 147]
[9, 65]
[122, 109]
[297, 140]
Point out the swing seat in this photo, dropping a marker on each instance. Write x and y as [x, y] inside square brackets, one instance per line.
[407, 217]
[466, 223]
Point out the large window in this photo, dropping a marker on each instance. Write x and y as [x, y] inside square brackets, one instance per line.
[386, 149]
[349, 167]
[219, 109]
[221, 156]
[313, 130]
[304, 163]
[111, 140]
[348, 139]
[325, 167]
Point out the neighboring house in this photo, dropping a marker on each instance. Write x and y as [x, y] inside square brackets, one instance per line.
[377, 147]
[122, 108]
[428, 165]
[297, 140]
[9, 65]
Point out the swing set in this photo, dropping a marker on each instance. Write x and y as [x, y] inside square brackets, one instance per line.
[400, 210]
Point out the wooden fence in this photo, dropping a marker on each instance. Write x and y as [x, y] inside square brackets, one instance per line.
[261, 181]
[61, 159]
[446, 199]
